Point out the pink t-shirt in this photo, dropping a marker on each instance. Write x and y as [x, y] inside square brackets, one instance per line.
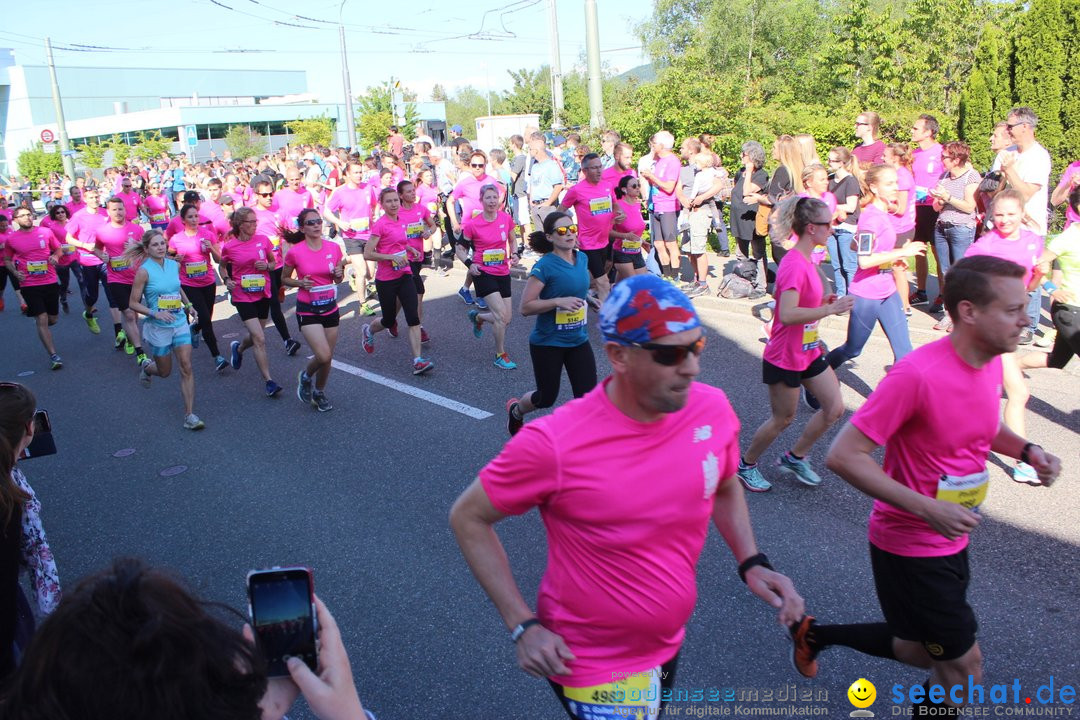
[269, 225]
[794, 347]
[927, 168]
[196, 269]
[633, 223]
[926, 438]
[666, 168]
[613, 175]
[416, 219]
[81, 226]
[59, 230]
[354, 207]
[428, 197]
[319, 266]
[874, 283]
[115, 241]
[74, 207]
[594, 208]
[872, 154]
[906, 221]
[467, 192]
[1070, 214]
[29, 250]
[157, 207]
[392, 241]
[132, 201]
[216, 214]
[176, 225]
[290, 203]
[491, 242]
[240, 258]
[1025, 250]
[627, 507]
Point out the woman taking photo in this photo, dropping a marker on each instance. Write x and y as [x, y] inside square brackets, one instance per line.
[193, 247]
[315, 266]
[555, 293]
[491, 235]
[626, 235]
[845, 186]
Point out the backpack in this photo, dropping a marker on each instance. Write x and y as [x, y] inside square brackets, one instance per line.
[735, 287]
[745, 269]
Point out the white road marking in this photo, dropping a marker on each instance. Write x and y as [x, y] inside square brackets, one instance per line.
[459, 407]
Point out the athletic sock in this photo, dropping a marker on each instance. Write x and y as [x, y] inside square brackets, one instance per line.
[117, 328]
[139, 350]
[743, 463]
[665, 269]
[868, 638]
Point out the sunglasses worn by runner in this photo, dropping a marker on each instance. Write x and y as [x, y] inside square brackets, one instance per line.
[565, 230]
[313, 222]
[671, 355]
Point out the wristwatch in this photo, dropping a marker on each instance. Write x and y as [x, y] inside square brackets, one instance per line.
[517, 632]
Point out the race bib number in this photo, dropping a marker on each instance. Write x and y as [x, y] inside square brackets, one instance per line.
[636, 696]
[196, 269]
[37, 268]
[169, 302]
[119, 264]
[400, 261]
[633, 245]
[157, 217]
[275, 241]
[494, 256]
[414, 230]
[968, 490]
[571, 319]
[67, 249]
[475, 212]
[253, 283]
[810, 336]
[600, 206]
[323, 295]
[359, 224]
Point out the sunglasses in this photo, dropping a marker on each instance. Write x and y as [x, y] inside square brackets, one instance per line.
[269, 194]
[472, 165]
[672, 355]
[565, 230]
[313, 222]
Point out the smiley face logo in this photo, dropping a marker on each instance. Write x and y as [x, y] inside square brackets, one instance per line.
[862, 693]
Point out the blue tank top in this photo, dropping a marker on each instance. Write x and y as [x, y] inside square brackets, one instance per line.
[162, 291]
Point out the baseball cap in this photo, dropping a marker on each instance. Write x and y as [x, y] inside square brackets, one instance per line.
[455, 128]
[643, 309]
[559, 140]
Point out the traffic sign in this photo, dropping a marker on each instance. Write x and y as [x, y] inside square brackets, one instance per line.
[192, 139]
[48, 149]
[47, 136]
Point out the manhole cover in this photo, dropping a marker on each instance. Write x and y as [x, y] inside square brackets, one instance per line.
[124, 453]
[26, 373]
[174, 470]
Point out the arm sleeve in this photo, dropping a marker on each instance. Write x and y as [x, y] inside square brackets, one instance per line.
[524, 475]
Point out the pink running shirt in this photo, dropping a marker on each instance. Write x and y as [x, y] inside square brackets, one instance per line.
[29, 250]
[196, 269]
[251, 284]
[71, 253]
[354, 207]
[415, 219]
[633, 223]
[81, 226]
[115, 242]
[927, 168]
[290, 203]
[467, 192]
[491, 242]
[906, 221]
[666, 168]
[1025, 250]
[392, 241]
[794, 347]
[874, 283]
[319, 266]
[594, 208]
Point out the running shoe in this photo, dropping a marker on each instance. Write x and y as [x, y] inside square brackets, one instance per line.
[121, 338]
[1026, 337]
[129, 349]
[272, 389]
[237, 356]
[938, 306]
[220, 363]
[481, 304]
[801, 469]
[141, 358]
[370, 289]
[466, 296]
[811, 400]
[192, 422]
[697, 289]
[321, 402]
[367, 309]
[513, 423]
[55, 362]
[424, 337]
[144, 377]
[477, 323]
[291, 347]
[92, 323]
[944, 324]
[752, 479]
[63, 304]
[392, 331]
[803, 654]
[368, 340]
[919, 297]
[421, 366]
[303, 387]
[1024, 473]
[503, 362]
[194, 334]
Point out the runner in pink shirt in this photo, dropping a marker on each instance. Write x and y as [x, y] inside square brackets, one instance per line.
[157, 207]
[419, 227]
[593, 201]
[315, 266]
[604, 638]
[928, 491]
[56, 223]
[291, 199]
[269, 225]
[664, 178]
[212, 209]
[491, 234]
[627, 252]
[5, 229]
[793, 356]
[623, 167]
[76, 203]
[30, 256]
[464, 204]
[111, 244]
[351, 208]
[190, 197]
[91, 273]
[132, 200]
[390, 249]
[192, 248]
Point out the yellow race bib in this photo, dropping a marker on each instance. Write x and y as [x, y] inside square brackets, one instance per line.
[633, 697]
[37, 268]
[119, 264]
[810, 336]
[359, 224]
[169, 302]
[968, 490]
[600, 206]
[196, 269]
[414, 231]
[629, 246]
[253, 283]
[571, 319]
[494, 256]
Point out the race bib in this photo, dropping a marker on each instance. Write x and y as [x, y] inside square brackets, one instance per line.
[169, 302]
[253, 283]
[968, 490]
[359, 224]
[119, 264]
[810, 336]
[631, 245]
[495, 256]
[571, 319]
[885, 268]
[414, 230]
[37, 268]
[157, 217]
[275, 241]
[475, 212]
[67, 249]
[322, 295]
[400, 261]
[196, 269]
[637, 696]
[600, 206]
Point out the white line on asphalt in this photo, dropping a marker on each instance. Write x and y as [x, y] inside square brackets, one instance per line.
[431, 397]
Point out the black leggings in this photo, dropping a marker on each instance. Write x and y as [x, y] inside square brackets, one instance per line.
[275, 305]
[1067, 321]
[4, 275]
[63, 274]
[202, 298]
[91, 278]
[390, 292]
[548, 362]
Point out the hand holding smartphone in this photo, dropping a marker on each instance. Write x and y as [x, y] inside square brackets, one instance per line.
[281, 603]
[43, 443]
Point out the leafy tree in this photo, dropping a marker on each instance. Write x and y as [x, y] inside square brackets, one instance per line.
[1040, 67]
[1070, 99]
[438, 93]
[244, 142]
[92, 155]
[312, 131]
[530, 93]
[976, 118]
[151, 145]
[36, 164]
[375, 114]
[466, 104]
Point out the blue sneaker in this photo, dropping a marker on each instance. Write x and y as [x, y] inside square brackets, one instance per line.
[800, 468]
[220, 363]
[466, 296]
[752, 479]
[477, 323]
[194, 335]
[481, 304]
[237, 356]
[304, 388]
[503, 362]
[272, 388]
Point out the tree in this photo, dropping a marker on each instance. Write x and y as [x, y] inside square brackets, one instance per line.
[530, 93]
[466, 104]
[1070, 99]
[244, 143]
[312, 131]
[151, 146]
[438, 93]
[1040, 67]
[92, 155]
[36, 164]
[375, 114]
[976, 118]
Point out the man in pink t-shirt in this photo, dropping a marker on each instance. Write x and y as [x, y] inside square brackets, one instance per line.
[291, 199]
[131, 199]
[31, 255]
[626, 479]
[593, 201]
[664, 177]
[926, 167]
[928, 491]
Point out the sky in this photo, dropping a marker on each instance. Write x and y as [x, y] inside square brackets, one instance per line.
[453, 43]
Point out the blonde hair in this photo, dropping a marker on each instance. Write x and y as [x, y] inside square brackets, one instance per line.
[809, 148]
[809, 171]
[704, 160]
[791, 158]
[872, 176]
[137, 253]
[903, 154]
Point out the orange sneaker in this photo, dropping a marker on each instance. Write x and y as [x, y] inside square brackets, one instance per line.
[803, 655]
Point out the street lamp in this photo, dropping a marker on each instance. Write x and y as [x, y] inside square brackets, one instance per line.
[350, 120]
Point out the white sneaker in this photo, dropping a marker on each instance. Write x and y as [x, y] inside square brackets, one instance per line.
[192, 422]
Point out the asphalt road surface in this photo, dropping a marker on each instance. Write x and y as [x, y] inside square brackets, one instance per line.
[361, 495]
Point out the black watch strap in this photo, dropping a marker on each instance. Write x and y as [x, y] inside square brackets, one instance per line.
[517, 632]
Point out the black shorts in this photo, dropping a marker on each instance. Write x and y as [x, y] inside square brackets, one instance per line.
[904, 238]
[354, 246]
[485, 284]
[250, 310]
[771, 374]
[119, 295]
[924, 600]
[666, 225]
[416, 265]
[635, 258]
[41, 299]
[598, 260]
[925, 220]
[329, 320]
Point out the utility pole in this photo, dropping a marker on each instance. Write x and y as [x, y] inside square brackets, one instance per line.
[556, 70]
[592, 46]
[65, 144]
[351, 119]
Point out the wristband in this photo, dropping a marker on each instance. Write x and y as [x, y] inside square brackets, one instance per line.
[517, 632]
[1024, 458]
[468, 262]
[752, 562]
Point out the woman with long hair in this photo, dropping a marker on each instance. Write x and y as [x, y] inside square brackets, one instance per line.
[898, 156]
[626, 236]
[786, 181]
[193, 247]
[847, 189]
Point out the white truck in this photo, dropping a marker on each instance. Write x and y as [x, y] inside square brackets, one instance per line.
[494, 131]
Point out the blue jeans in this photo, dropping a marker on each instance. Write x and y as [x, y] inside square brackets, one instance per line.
[1034, 309]
[844, 260]
[950, 244]
[864, 315]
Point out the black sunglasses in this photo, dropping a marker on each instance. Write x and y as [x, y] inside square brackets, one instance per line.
[313, 222]
[671, 355]
[269, 194]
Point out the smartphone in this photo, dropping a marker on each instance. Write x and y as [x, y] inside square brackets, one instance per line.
[866, 243]
[281, 603]
[43, 443]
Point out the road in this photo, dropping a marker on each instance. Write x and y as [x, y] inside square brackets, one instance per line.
[361, 495]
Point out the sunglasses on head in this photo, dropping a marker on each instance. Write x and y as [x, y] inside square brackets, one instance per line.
[565, 230]
[672, 355]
